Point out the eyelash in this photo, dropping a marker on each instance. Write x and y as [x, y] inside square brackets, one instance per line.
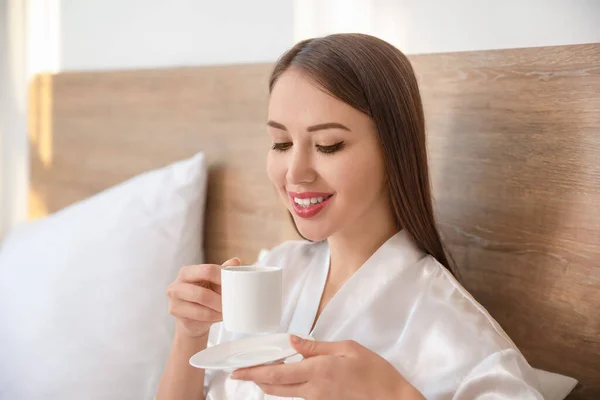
[323, 149]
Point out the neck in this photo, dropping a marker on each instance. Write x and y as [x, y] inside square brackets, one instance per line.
[352, 247]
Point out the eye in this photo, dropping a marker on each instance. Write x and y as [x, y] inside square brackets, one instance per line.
[331, 149]
[283, 146]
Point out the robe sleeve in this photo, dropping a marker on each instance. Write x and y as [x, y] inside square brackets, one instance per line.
[503, 375]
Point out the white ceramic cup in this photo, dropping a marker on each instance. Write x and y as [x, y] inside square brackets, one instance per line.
[251, 299]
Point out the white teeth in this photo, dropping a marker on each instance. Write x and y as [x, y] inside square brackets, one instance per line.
[308, 202]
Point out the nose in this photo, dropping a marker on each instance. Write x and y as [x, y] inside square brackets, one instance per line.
[300, 168]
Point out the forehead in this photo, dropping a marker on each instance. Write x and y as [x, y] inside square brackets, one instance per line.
[298, 100]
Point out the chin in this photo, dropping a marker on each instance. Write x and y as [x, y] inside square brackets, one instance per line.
[313, 231]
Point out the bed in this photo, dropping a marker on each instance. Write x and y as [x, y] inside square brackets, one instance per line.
[514, 140]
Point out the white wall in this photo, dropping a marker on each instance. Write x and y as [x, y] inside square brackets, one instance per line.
[66, 35]
[432, 26]
[5, 105]
[13, 94]
[111, 34]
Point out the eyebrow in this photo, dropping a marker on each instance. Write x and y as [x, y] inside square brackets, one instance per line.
[318, 127]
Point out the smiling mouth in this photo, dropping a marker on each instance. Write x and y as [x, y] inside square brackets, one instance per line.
[307, 202]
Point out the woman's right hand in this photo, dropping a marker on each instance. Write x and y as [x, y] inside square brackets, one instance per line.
[195, 297]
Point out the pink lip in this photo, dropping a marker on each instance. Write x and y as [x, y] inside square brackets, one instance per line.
[311, 210]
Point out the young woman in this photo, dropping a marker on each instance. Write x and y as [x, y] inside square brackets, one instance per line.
[373, 286]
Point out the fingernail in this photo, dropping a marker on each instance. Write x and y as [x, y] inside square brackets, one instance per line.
[296, 339]
[235, 375]
[231, 261]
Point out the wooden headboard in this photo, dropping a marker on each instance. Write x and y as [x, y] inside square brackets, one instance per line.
[514, 138]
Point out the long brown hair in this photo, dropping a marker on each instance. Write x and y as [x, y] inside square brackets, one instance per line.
[378, 80]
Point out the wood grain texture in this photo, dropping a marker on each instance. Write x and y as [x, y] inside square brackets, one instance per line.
[514, 139]
[110, 126]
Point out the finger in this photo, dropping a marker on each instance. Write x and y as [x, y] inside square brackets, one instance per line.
[298, 390]
[193, 311]
[312, 348]
[232, 262]
[201, 273]
[283, 374]
[196, 294]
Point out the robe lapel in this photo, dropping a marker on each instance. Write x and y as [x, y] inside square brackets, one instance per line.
[310, 298]
[376, 274]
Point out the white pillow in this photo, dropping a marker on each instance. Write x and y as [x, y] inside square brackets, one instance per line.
[83, 305]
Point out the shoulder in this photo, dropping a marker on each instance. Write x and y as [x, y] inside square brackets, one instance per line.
[445, 322]
[459, 305]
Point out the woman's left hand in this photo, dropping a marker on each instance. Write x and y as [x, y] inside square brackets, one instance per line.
[332, 370]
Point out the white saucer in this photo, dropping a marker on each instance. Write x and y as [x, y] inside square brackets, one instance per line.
[247, 352]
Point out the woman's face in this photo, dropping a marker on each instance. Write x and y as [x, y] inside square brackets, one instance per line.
[325, 161]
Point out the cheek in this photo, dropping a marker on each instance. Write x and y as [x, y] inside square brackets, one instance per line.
[276, 169]
[357, 175]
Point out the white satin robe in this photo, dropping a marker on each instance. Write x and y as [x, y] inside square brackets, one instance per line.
[403, 305]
